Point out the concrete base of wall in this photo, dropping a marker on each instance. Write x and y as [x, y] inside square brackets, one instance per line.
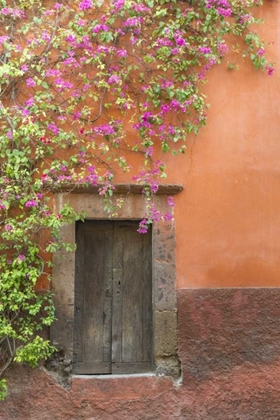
[229, 346]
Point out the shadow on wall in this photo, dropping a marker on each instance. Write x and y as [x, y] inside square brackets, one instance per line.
[253, 272]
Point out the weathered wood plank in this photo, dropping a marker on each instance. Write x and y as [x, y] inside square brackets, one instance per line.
[147, 298]
[107, 329]
[108, 292]
[132, 292]
[78, 295]
[117, 296]
[93, 292]
[91, 368]
[129, 368]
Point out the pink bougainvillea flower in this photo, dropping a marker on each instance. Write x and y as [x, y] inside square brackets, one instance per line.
[31, 203]
[118, 4]
[81, 22]
[270, 70]
[100, 28]
[85, 4]
[30, 82]
[170, 201]
[168, 217]
[143, 226]
[122, 53]
[24, 67]
[180, 42]
[10, 135]
[114, 79]
[4, 39]
[52, 127]
[261, 52]
[204, 50]
[29, 102]
[154, 186]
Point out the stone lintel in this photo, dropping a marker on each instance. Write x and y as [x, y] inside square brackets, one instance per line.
[166, 189]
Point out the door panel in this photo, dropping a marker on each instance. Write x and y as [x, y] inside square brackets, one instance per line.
[113, 298]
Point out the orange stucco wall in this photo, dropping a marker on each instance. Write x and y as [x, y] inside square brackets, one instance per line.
[228, 216]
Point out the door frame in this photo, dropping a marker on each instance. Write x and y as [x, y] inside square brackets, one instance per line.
[164, 275]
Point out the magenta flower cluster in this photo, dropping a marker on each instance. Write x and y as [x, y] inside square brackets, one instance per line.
[31, 203]
[223, 7]
[92, 178]
[85, 4]
[104, 130]
[143, 226]
[30, 82]
[100, 28]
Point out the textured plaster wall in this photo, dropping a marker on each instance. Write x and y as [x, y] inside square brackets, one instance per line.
[227, 217]
[230, 353]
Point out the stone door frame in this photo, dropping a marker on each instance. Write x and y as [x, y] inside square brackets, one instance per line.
[164, 272]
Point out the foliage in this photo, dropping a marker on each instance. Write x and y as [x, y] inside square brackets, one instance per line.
[3, 389]
[85, 88]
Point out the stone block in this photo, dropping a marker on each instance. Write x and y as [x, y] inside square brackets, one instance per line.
[164, 286]
[165, 333]
[164, 242]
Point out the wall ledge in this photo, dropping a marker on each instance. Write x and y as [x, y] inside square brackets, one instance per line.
[167, 189]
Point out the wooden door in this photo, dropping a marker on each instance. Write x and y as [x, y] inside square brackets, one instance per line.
[113, 298]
